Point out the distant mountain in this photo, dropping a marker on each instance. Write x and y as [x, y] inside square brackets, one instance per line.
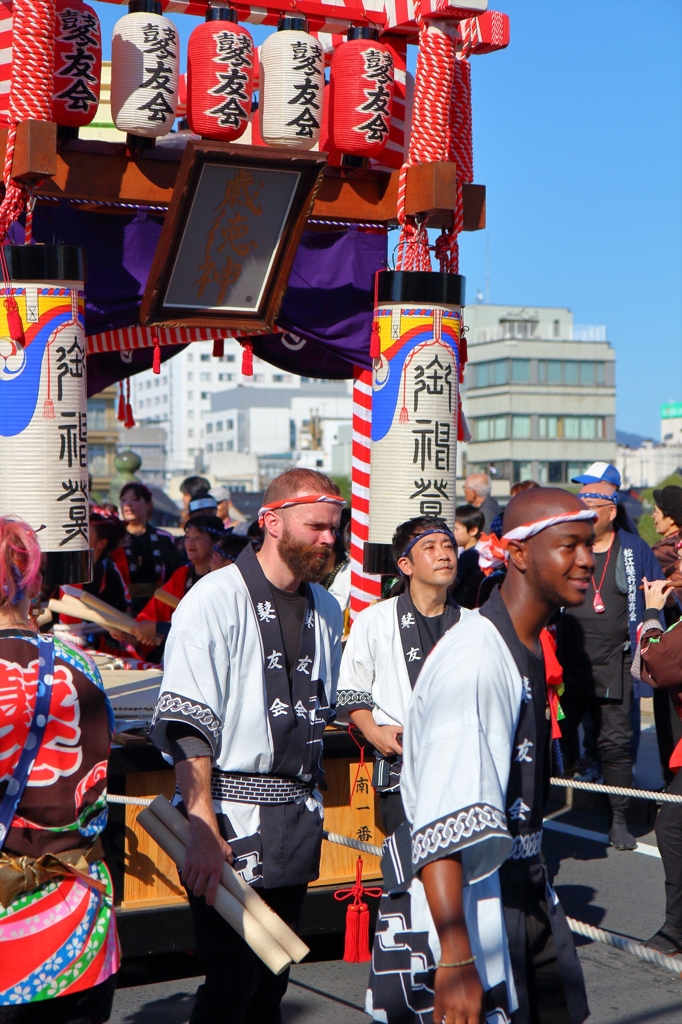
[630, 440]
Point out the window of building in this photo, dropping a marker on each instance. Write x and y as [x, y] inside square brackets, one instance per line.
[209, 447]
[230, 358]
[229, 424]
[225, 376]
[97, 414]
[190, 396]
[571, 372]
[190, 452]
[557, 329]
[164, 399]
[205, 357]
[190, 414]
[156, 382]
[190, 375]
[277, 378]
[209, 428]
[190, 357]
[97, 457]
[157, 400]
[229, 446]
[599, 367]
[554, 371]
[572, 428]
[520, 371]
[190, 432]
[205, 376]
[586, 372]
[204, 394]
[490, 428]
[521, 426]
[219, 425]
[148, 384]
[258, 378]
[491, 374]
[219, 446]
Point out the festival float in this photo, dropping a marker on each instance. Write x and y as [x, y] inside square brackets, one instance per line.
[265, 219]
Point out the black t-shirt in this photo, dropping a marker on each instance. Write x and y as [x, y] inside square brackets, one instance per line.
[592, 643]
[290, 612]
[431, 629]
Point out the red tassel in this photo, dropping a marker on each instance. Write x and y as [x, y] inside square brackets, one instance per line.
[356, 945]
[121, 414]
[375, 341]
[218, 348]
[48, 409]
[156, 362]
[129, 421]
[247, 358]
[404, 415]
[14, 322]
[463, 354]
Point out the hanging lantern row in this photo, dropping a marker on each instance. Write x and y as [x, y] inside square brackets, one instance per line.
[350, 117]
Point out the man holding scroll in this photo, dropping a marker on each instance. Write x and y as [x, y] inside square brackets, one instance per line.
[249, 685]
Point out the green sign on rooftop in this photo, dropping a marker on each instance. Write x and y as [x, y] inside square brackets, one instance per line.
[671, 411]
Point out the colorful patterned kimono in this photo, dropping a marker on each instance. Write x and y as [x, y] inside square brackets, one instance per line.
[60, 938]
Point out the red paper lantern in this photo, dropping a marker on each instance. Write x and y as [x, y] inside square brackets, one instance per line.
[361, 82]
[77, 64]
[220, 65]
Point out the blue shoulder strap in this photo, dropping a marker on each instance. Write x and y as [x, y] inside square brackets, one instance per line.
[17, 784]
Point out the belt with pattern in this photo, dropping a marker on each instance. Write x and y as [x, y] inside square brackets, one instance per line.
[238, 787]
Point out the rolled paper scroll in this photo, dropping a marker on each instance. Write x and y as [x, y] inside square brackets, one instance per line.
[230, 909]
[235, 884]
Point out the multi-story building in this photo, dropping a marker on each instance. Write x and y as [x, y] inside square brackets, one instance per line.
[264, 430]
[178, 397]
[102, 439]
[646, 463]
[539, 394]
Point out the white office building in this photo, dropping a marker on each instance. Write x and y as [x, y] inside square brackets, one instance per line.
[178, 398]
[649, 462]
[539, 394]
[264, 430]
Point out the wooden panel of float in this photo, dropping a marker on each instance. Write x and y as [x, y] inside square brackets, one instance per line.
[151, 878]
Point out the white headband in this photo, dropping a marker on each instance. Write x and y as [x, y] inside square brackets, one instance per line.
[530, 529]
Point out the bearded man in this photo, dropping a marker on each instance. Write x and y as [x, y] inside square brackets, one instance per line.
[249, 685]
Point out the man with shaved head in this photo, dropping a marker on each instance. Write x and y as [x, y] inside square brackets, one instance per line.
[249, 684]
[469, 928]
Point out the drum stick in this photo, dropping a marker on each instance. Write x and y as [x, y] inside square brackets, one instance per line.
[235, 884]
[167, 598]
[231, 910]
[106, 610]
[78, 610]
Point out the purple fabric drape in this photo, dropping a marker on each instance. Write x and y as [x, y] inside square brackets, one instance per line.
[327, 307]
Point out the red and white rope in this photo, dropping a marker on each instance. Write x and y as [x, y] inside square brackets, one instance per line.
[460, 150]
[30, 95]
[430, 128]
[364, 589]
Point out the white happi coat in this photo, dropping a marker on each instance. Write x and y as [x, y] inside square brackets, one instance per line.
[373, 670]
[214, 678]
[457, 740]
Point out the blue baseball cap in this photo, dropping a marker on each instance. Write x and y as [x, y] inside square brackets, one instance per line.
[598, 472]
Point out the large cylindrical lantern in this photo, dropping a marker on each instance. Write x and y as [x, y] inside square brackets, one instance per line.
[43, 406]
[361, 87]
[77, 64]
[144, 71]
[415, 405]
[291, 86]
[220, 64]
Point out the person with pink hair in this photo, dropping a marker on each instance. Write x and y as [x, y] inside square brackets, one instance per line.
[59, 950]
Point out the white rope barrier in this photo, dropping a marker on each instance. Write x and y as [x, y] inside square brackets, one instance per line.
[651, 956]
[598, 787]
[136, 801]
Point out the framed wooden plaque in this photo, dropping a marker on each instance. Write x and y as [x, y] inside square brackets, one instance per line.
[230, 236]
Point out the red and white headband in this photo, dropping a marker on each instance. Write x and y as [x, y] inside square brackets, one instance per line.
[530, 529]
[305, 499]
[493, 553]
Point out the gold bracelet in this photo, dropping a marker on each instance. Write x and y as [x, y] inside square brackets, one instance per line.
[460, 963]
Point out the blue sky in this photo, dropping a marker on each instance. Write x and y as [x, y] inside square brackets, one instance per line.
[578, 138]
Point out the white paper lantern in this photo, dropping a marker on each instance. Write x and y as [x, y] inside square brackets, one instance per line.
[43, 407]
[291, 86]
[144, 71]
[415, 405]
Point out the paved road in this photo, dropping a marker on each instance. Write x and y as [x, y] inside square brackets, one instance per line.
[622, 892]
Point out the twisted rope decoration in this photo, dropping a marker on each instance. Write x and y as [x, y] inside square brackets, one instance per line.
[31, 87]
[460, 150]
[430, 129]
